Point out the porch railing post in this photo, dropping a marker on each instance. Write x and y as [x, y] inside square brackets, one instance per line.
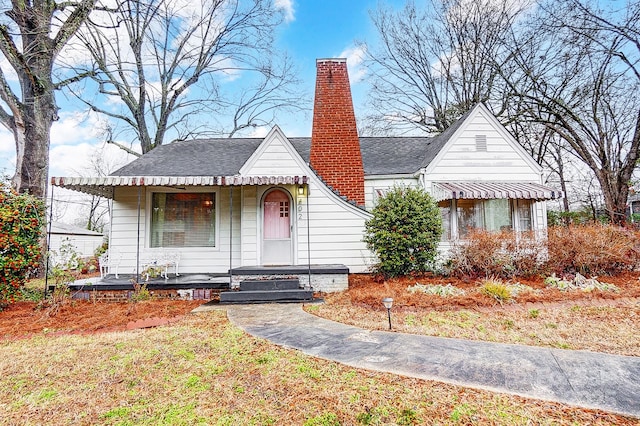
[48, 253]
[138, 237]
[230, 236]
[308, 238]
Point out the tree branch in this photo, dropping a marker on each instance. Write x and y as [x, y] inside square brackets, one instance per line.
[71, 25]
[123, 147]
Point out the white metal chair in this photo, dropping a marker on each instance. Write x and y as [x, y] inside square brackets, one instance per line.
[109, 260]
[170, 259]
[163, 260]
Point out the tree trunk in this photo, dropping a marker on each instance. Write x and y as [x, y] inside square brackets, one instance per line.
[33, 168]
[615, 197]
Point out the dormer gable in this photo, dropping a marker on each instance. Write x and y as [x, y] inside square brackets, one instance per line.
[479, 148]
[275, 156]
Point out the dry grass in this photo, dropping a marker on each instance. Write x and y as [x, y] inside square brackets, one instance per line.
[602, 329]
[597, 321]
[202, 370]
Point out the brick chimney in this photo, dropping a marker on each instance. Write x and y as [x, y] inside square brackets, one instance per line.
[335, 147]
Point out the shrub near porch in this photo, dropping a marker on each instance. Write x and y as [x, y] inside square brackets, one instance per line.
[404, 232]
[593, 249]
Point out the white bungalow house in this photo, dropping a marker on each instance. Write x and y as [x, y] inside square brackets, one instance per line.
[245, 202]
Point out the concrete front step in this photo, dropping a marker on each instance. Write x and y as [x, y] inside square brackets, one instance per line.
[245, 296]
[272, 284]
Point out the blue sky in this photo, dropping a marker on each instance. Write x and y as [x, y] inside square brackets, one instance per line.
[313, 29]
[327, 29]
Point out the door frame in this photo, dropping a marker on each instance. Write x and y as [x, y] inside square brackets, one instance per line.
[292, 223]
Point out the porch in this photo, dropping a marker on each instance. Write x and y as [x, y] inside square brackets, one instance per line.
[208, 286]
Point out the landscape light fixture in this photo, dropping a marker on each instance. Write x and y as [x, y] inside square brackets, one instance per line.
[388, 302]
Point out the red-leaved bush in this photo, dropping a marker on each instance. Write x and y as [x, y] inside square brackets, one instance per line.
[592, 249]
[501, 254]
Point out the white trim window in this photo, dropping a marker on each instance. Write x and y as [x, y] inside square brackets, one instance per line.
[461, 216]
[183, 219]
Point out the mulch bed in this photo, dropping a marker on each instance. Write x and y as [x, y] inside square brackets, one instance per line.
[365, 290]
[26, 319]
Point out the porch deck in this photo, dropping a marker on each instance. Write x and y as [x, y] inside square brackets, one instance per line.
[322, 278]
[183, 281]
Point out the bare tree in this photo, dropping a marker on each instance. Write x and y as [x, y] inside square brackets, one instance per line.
[436, 63]
[542, 143]
[576, 73]
[166, 61]
[30, 41]
[95, 211]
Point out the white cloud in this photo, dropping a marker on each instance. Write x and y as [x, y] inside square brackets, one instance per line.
[259, 132]
[287, 8]
[75, 127]
[7, 152]
[355, 56]
[7, 69]
[75, 160]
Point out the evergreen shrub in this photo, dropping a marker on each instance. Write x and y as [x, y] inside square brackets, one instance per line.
[404, 232]
[21, 223]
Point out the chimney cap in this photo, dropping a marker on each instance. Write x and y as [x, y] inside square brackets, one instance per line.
[335, 60]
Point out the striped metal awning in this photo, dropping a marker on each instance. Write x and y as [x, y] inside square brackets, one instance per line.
[104, 186]
[491, 190]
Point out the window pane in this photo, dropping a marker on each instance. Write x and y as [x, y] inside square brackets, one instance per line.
[183, 220]
[497, 215]
[524, 215]
[445, 212]
[469, 216]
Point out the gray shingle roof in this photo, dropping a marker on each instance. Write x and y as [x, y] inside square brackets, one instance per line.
[198, 157]
[225, 157]
[399, 155]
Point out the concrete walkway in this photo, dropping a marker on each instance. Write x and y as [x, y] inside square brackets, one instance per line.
[579, 378]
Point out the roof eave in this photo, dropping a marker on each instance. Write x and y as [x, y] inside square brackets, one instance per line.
[103, 186]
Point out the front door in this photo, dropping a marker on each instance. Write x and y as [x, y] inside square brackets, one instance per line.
[276, 229]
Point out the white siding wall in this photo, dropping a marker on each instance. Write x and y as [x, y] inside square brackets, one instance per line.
[502, 161]
[335, 228]
[373, 183]
[124, 227]
[193, 259]
[250, 226]
[276, 159]
[83, 245]
[335, 231]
